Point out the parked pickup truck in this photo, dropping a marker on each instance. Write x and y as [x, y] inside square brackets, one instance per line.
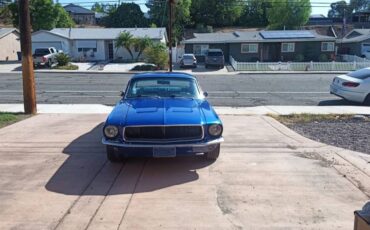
[44, 57]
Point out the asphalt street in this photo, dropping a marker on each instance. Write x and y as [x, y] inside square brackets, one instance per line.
[224, 90]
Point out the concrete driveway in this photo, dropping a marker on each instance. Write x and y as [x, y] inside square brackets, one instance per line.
[54, 175]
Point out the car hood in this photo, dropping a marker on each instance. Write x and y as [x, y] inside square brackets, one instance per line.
[164, 111]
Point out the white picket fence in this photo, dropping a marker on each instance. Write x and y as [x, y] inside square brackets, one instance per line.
[298, 66]
[352, 58]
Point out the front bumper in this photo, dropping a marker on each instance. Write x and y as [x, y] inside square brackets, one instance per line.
[182, 149]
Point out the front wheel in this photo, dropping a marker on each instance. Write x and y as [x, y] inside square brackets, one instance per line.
[112, 154]
[213, 155]
[367, 100]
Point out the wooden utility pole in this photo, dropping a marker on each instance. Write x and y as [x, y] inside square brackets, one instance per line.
[29, 94]
[170, 22]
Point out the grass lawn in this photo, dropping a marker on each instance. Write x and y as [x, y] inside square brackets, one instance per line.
[10, 118]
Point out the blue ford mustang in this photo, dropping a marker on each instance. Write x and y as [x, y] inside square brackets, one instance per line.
[162, 115]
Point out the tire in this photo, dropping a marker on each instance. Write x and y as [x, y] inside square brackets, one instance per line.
[112, 154]
[49, 64]
[213, 155]
[367, 100]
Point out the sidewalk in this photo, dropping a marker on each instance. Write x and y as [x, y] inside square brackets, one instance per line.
[116, 68]
[258, 110]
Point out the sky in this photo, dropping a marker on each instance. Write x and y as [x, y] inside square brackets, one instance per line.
[318, 6]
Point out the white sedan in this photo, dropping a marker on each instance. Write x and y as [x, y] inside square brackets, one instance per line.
[354, 86]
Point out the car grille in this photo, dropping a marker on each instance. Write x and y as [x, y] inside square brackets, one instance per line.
[163, 133]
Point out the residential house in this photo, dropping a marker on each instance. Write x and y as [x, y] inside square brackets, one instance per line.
[361, 19]
[93, 44]
[356, 42]
[9, 43]
[319, 19]
[266, 46]
[80, 14]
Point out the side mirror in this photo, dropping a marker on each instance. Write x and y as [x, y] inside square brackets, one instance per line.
[122, 93]
[205, 94]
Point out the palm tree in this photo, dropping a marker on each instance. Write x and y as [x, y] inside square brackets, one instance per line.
[126, 40]
[142, 44]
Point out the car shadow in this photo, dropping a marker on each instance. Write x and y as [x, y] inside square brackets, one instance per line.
[87, 166]
[336, 102]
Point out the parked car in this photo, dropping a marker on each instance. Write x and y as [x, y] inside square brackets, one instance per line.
[162, 115]
[188, 60]
[44, 57]
[354, 86]
[215, 57]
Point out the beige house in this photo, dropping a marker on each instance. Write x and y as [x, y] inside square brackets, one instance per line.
[10, 44]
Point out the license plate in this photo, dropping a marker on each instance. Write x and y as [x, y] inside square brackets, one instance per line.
[164, 151]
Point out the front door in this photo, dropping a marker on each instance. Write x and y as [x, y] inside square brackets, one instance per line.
[110, 51]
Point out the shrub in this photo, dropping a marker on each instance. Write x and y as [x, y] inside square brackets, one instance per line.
[157, 54]
[63, 59]
[299, 58]
[323, 58]
[67, 67]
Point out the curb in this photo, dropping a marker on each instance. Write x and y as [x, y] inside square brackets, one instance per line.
[221, 110]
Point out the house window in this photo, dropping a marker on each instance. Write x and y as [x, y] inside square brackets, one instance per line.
[200, 49]
[249, 48]
[327, 46]
[287, 47]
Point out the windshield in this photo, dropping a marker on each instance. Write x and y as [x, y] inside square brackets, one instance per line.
[360, 74]
[188, 57]
[163, 87]
[42, 51]
[215, 54]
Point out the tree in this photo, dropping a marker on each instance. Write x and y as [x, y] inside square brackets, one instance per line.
[357, 5]
[255, 13]
[97, 7]
[216, 13]
[340, 10]
[125, 40]
[142, 44]
[63, 18]
[158, 13]
[5, 13]
[45, 15]
[288, 14]
[127, 15]
[157, 54]
[103, 8]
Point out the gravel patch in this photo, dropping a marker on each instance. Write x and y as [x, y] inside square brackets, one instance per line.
[352, 134]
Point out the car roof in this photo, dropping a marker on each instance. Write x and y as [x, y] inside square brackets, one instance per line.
[163, 74]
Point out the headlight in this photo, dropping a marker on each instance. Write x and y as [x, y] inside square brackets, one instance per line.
[215, 130]
[111, 131]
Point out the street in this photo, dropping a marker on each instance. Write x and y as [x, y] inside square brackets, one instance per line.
[224, 90]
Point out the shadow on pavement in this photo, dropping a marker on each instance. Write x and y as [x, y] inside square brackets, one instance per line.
[87, 166]
[338, 102]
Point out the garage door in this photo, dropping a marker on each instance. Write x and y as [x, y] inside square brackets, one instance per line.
[57, 45]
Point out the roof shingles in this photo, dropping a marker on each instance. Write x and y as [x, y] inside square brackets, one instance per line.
[108, 33]
[250, 36]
